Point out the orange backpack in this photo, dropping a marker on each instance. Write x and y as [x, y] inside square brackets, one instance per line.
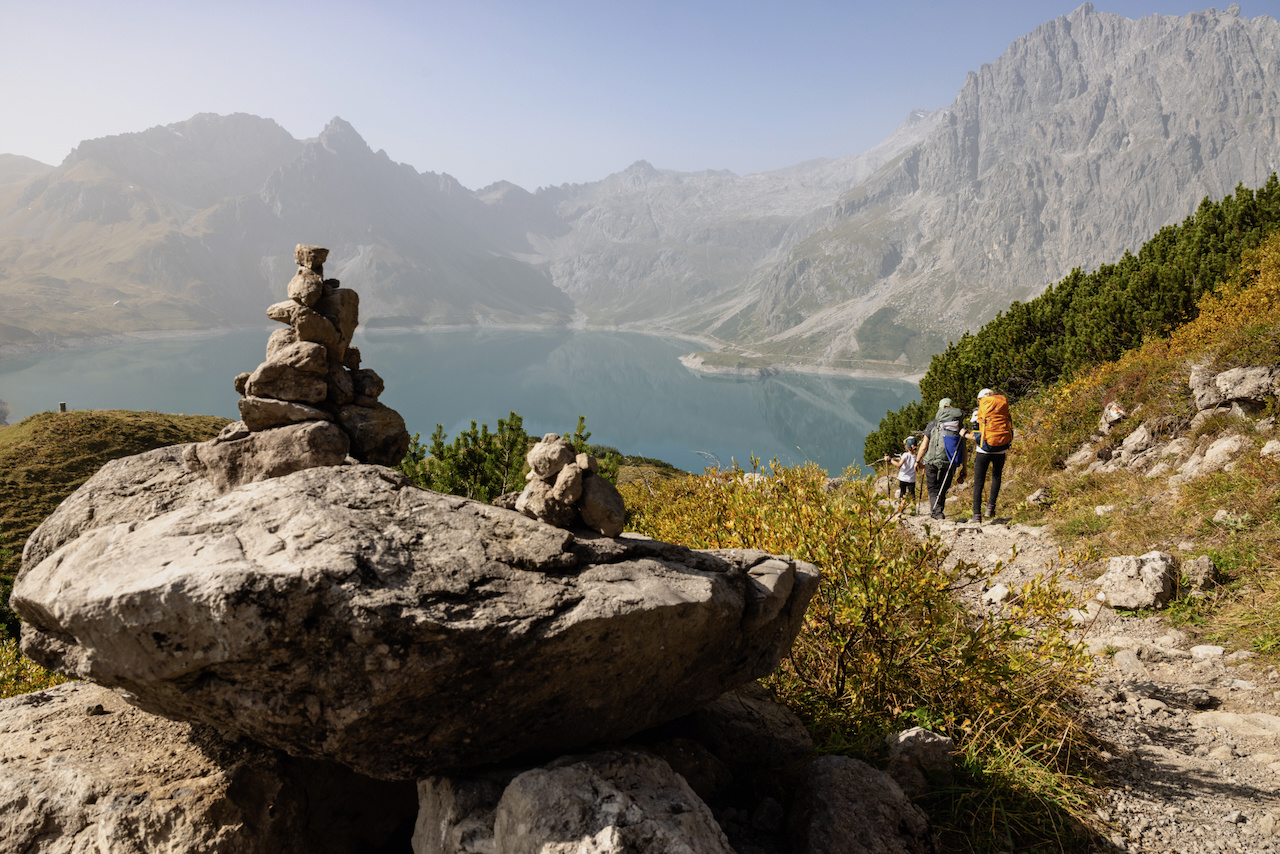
[994, 423]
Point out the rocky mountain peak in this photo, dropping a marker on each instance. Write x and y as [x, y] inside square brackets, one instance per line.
[339, 137]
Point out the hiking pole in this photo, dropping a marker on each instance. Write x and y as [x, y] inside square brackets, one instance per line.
[945, 480]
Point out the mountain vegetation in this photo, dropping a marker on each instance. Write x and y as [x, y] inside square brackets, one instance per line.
[1089, 318]
[1088, 135]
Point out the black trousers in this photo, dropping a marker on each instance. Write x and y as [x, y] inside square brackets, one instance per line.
[937, 479]
[981, 462]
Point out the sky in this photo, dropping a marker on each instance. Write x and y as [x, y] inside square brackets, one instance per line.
[536, 93]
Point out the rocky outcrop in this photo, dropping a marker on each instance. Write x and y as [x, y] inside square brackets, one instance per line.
[342, 604]
[310, 402]
[83, 771]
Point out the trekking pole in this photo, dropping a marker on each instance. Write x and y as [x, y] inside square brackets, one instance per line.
[946, 479]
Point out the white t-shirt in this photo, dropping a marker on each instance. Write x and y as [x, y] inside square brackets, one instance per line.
[907, 471]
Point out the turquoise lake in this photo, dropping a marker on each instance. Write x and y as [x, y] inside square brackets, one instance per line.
[632, 389]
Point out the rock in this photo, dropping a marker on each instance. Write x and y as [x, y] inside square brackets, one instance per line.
[240, 381]
[602, 507]
[282, 382]
[351, 359]
[234, 430]
[1127, 661]
[1112, 414]
[377, 432]
[1256, 725]
[306, 356]
[366, 382]
[311, 257]
[747, 728]
[455, 814]
[342, 309]
[1040, 498]
[341, 388]
[1227, 519]
[706, 773]
[319, 611]
[1161, 469]
[122, 780]
[306, 287]
[1146, 581]
[307, 324]
[920, 760]
[1207, 651]
[279, 340]
[1201, 573]
[548, 456]
[568, 485]
[1138, 441]
[264, 413]
[125, 490]
[538, 501]
[1256, 384]
[1203, 389]
[1179, 447]
[268, 453]
[844, 806]
[996, 595]
[620, 802]
[1081, 458]
[1271, 449]
[1215, 457]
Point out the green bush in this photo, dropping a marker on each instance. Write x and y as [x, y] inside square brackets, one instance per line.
[477, 464]
[482, 465]
[884, 646]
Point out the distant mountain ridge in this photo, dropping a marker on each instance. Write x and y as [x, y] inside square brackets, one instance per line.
[1088, 135]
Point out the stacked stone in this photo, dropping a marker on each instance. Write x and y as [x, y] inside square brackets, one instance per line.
[564, 489]
[310, 403]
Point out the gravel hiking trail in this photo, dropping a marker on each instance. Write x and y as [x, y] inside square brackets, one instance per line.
[1193, 730]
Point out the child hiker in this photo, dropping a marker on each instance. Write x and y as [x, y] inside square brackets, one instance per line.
[905, 463]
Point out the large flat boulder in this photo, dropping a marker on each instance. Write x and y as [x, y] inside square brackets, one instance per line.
[83, 771]
[341, 613]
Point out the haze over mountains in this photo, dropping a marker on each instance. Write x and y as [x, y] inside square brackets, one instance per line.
[1088, 135]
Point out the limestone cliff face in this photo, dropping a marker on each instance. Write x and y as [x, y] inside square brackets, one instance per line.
[1087, 136]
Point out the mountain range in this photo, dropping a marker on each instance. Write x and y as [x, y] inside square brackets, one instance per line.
[1084, 138]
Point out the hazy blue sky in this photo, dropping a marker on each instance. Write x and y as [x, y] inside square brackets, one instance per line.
[537, 93]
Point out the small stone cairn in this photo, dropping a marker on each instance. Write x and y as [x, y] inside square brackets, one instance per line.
[310, 403]
[565, 489]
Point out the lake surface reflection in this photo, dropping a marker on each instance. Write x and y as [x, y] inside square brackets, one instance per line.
[634, 392]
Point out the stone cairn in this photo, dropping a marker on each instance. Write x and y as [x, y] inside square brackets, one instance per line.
[310, 403]
[564, 489]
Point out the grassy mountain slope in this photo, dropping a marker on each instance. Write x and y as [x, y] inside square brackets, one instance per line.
[1237, 326]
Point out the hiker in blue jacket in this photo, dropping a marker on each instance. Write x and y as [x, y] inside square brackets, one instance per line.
[943, 454]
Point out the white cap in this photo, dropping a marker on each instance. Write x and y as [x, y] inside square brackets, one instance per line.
[984, 393]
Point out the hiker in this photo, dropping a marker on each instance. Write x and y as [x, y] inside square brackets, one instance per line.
[943, 454]
[992, 438]
[905, 463]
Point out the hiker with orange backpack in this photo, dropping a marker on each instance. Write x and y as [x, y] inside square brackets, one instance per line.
[992, 438]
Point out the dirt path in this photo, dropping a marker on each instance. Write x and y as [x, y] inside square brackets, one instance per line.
[1196, 730]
